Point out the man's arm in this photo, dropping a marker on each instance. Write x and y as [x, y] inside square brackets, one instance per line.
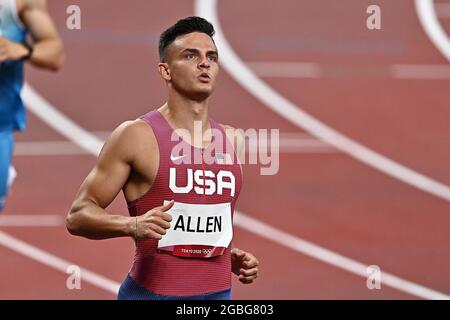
[88, 217]
[48, 50]
[48, 47]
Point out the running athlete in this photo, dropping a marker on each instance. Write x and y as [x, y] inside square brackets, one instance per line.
[18, 19]
[181, 192]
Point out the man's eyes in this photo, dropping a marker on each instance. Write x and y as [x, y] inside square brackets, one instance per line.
[191, 56]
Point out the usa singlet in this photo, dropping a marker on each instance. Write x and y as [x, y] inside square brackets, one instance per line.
[193, 258]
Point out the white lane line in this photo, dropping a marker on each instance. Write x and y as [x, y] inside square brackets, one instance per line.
[421, 71]
[289, 143]
[55, 262]
[248, 80]
[55, 148]
[286, 69]
[329, 257]
[262, 229]
[293, 113]
[314, 70]
[31, 220]
[443, 10]
[430, 24]
[30, 96]
[47, 148]
[59, 121]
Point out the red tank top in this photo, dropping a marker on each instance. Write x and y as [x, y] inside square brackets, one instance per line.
[168, 274]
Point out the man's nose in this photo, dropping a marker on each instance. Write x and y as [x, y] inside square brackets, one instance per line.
[204, 63]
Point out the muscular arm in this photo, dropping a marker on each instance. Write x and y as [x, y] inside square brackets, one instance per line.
[48, 50]
[87, 216]
[121, 153]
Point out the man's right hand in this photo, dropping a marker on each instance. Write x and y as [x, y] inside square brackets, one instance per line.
[10, 50]
[154, 223]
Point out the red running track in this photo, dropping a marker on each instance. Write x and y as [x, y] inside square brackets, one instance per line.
[329, 199]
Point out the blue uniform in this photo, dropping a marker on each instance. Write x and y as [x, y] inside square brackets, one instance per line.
[131, 290]
[12, 109]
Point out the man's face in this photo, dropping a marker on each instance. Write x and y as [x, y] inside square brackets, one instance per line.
[192, 65]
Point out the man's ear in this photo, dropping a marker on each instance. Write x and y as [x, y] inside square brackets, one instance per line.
[164, 71]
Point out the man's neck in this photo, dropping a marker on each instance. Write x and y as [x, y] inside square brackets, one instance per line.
[182, 112]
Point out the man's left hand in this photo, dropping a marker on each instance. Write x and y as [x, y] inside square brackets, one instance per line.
[244, 265]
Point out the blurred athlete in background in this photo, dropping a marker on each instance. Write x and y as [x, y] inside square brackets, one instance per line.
[27, 33]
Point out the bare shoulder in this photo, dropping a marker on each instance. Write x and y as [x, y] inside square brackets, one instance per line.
[133, 132]
[133, 128]
[128, 139]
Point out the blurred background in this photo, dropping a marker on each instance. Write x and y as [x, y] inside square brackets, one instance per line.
[364, 145]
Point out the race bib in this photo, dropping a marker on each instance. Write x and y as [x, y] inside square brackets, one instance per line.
[198, 230]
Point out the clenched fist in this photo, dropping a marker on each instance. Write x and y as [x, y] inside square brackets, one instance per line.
[10, 50]
[244, 265]
[154, 223]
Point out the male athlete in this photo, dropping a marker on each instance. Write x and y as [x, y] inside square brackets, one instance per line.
[18, 18]
[181, 192]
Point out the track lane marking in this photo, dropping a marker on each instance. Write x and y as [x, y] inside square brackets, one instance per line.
[41, 110]
[31, 220]
[54, 262]
[314, 70]
[247, 79]
[280, 105]
[430, 23]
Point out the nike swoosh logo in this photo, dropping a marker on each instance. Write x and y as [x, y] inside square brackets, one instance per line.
[175, 158]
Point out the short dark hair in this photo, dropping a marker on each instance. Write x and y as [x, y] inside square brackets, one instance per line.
[182, 27]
